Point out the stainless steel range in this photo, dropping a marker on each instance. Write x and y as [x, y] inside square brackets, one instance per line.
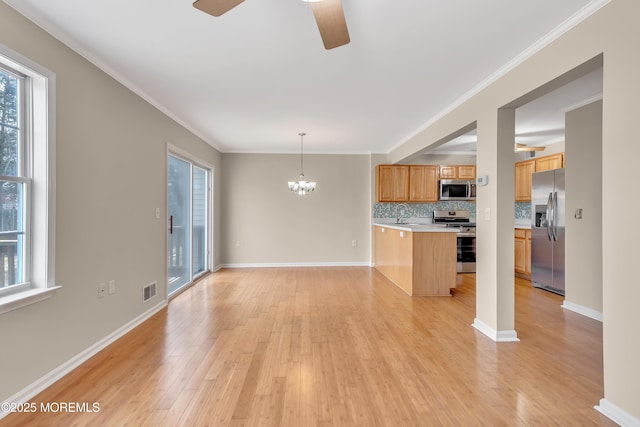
[466, 233]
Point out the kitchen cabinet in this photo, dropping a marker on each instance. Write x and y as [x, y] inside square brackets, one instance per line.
[524, 170]
[419, 263]
[407, 183]
[423, 183]
[522, 251]
[555, 161]
[457, 172]
[393, 183]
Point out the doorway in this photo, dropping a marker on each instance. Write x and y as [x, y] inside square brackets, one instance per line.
[189, 215]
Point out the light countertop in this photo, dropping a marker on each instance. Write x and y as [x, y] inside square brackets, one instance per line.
[417, 227]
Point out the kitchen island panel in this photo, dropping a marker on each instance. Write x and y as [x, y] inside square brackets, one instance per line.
[435, 266]
[420, 263]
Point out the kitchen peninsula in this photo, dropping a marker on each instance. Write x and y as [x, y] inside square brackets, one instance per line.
[418, 258]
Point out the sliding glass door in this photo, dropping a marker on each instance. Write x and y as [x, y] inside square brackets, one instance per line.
[188, 243]
[200, 244]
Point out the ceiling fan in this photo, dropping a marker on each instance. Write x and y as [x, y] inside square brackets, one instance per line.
[328, 13]
[524, 147]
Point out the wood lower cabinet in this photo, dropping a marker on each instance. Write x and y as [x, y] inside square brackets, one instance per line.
[522, 251]
[418, 263]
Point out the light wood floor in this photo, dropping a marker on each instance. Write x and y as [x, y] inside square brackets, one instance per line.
[337, 346]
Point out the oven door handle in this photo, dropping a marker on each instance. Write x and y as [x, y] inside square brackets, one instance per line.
[466, 234]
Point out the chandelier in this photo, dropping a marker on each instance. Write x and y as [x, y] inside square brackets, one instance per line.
[302, 186]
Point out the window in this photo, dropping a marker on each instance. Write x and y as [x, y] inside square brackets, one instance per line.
[14, 183]
[26, 182]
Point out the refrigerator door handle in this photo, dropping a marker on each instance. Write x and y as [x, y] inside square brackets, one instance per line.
[548, 213]
[554, 225]
[468, 189]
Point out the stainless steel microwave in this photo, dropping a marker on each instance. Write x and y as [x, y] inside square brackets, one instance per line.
[457, 189]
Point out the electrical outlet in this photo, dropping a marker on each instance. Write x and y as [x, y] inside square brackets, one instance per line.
[237, 243]
[112, 287]
[354, 243]
[102, 290]
[157, 213]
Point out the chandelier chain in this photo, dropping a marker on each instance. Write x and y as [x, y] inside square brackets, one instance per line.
[302, 134]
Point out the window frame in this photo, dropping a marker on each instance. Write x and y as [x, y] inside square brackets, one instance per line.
[36, 169]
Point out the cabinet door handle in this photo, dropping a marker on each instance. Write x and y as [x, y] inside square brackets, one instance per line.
[171, 224]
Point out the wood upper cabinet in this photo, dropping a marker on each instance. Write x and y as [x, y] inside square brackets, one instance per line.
[467, 172]
[555, 161]
[393, 183]
[457, 172]
[448, 172]
[525, 169]
[423, 183]
[407, 183]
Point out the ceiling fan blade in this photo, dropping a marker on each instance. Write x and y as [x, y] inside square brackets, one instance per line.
[216, 7]
[523, 147]
[331, 23]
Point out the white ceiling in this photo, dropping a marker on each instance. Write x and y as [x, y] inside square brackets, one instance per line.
[250, 80]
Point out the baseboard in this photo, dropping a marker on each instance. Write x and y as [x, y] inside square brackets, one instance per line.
[217, 268]
[616, 414]
[297, 264]
[585, 311]
[497, 336]
[56, 374]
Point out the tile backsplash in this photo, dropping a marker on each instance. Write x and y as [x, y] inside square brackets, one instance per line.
[421, 210]
[523, 210]
[425, 210]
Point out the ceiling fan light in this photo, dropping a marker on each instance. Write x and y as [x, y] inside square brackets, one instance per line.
[524, 147]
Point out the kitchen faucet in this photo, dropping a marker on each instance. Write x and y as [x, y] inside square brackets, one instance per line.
[398, 211]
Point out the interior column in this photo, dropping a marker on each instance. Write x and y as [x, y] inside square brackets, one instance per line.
[495, 306]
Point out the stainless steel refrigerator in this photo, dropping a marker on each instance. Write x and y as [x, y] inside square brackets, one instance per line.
[547, 230]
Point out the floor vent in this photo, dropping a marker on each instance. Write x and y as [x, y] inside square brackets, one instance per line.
[149, 292]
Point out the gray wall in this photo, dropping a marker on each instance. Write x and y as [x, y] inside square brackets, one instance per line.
[583, 181]
[265, 223]
[111, 176]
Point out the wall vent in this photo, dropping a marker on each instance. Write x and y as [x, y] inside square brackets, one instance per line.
[149, 291]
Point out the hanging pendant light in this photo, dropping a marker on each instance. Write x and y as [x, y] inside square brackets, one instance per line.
[302, 186]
